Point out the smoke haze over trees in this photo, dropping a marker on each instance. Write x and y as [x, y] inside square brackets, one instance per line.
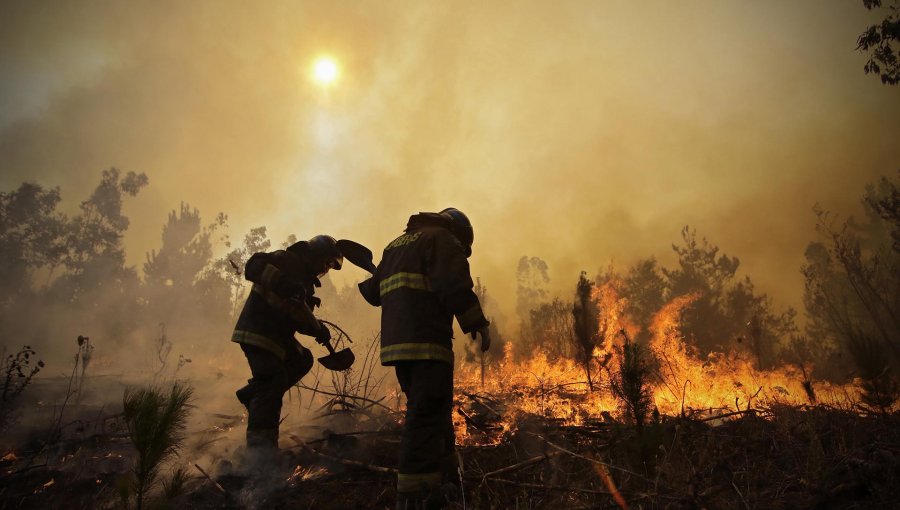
[735, 133]
[149, 148]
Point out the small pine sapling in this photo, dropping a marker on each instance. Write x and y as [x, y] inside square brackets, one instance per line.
[156, 423]
[631, 383]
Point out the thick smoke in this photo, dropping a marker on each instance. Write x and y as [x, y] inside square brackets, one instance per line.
[587, 134]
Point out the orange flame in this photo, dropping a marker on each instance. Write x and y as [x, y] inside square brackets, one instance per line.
[557, 388]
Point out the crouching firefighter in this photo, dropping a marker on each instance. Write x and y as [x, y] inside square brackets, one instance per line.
[280, 303]
[421, 284]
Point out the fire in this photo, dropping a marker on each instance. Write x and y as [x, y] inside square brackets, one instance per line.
[723, 381]
[682, 381]
[303, 474]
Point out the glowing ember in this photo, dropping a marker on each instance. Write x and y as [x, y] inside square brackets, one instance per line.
[302, 474]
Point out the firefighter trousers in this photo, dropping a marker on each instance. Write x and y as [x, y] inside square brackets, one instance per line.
[428, 440]
[263, 394]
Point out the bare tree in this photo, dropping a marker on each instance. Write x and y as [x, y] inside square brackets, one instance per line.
[852, 292]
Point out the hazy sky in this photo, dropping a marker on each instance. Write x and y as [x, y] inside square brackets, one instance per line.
[582, 132]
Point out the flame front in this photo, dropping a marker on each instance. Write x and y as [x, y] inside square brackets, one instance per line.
[682, 381]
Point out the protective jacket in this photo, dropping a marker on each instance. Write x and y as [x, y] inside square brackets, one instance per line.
[280, 303]
[422, 282]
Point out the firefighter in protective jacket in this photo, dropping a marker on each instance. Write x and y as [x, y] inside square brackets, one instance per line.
[280, 303]
[421, 284]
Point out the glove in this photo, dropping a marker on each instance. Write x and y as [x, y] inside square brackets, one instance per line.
[323, 336]
[485, 335]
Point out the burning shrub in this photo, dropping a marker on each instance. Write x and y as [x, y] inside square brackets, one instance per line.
[586, 324]
[631, 383]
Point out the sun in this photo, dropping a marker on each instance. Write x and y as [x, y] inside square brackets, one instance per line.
[325, 70]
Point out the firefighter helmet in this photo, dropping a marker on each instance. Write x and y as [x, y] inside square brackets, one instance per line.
[461, 227]
[325, 247]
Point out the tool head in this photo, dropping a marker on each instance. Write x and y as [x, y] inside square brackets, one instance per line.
[357, 254]
[340, 360]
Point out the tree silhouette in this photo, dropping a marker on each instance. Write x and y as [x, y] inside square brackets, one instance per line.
[879, 41]
[531, 292]
[31, 236]
[551, 328]
[728, 312]
[852, 292]
[644, 289]
[586, 324]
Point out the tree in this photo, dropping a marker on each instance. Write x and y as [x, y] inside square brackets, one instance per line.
[879, 40]
[178, 285]
[532, 279]
[884, 202]
[644, 289]
[727, 311]
[531, 291]
[94, 256]
[631, 383]
[186, 249]
[31, 236]
[231, 266]
[94, 237]
[37, 240]
[551, 328]
[702, 269]
[586, 324]
[852, 290]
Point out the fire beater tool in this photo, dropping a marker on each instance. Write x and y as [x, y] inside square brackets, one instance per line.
[357, 254]
[337, 360]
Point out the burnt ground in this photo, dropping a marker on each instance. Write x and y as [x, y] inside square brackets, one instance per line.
[784, 457]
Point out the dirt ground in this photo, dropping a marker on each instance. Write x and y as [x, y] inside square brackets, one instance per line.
[785, 457]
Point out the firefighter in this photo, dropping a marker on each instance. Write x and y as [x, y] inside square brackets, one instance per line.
[280, 303]
[421, 284]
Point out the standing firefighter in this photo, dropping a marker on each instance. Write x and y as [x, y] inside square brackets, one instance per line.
[422, 282]
[281, 303]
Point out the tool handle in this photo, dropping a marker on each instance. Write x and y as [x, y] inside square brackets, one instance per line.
[329, 347]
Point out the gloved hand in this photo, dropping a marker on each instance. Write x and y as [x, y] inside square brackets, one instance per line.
[485, 334]
[323, 336]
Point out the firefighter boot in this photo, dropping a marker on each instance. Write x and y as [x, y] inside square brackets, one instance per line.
[261, 453]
